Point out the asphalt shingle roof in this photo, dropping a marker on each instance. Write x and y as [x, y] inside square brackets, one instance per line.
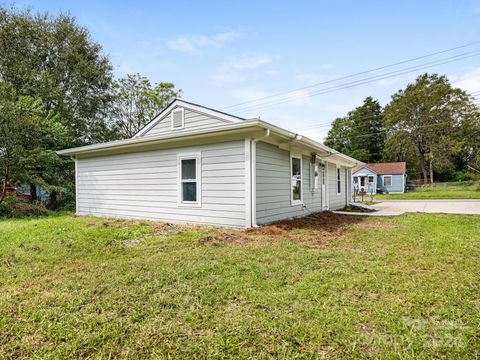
[385, 168]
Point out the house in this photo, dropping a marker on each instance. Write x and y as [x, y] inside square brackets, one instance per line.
[380, 177]
[199, 165]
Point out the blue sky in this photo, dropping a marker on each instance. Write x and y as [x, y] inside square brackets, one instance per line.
[222, 53]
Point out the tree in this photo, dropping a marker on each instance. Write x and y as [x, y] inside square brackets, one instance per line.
[431, 116]
[136, 101]
[360, 134]
[55, 59]
[28, 135]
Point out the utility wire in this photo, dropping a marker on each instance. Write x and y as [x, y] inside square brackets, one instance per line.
[355, 74]
[357, 83]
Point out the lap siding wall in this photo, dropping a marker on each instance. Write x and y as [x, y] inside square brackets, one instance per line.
[144, 185]
[273, 186]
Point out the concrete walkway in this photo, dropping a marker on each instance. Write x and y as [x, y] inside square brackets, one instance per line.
[398, 207]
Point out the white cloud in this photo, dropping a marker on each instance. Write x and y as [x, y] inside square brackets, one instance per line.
[272, 72]
[248, 62]
[327, 66]
[231, 71]
[470, 81]
[192, 44]
[317, 134]
[224, 77]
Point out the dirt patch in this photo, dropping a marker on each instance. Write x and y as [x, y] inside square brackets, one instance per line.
[225, 237]
[315, 231]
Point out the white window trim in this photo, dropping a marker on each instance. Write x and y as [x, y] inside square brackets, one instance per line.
[182, 110]
[338, 171]
[198, 174]
[391, 180]
[296, 202]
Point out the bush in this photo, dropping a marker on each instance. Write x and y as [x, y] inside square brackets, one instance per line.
[15, 207]
[462, 176]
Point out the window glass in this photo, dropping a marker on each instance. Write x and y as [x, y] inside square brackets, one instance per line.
[189, 191]
[296, 179]
[339, 185]
[387, 181]
[370, 179]
[296, 166]
[189, 169]
[189, 180]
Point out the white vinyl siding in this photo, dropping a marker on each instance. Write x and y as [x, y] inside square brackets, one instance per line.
[192, 120]
[336, 201]
[145, 185]
[273, 186]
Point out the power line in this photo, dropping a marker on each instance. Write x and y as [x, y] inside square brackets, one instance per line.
[353, 75]
[360, 82]
[323, 125]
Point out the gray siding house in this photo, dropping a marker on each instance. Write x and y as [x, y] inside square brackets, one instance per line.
[194, 164]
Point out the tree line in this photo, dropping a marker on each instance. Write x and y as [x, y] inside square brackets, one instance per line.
[57, 90]
[431, 125]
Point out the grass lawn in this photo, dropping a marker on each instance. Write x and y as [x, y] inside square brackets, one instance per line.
[438, 191]
[330, 287]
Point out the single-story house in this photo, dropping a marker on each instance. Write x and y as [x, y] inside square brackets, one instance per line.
[380, 177]
[194, 164]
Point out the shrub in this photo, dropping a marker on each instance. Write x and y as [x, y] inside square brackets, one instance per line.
[15, 207]
[7, 205]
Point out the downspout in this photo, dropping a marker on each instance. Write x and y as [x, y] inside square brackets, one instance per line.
[253, 177]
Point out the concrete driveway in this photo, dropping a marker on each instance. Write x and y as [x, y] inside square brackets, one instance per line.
[397, 207]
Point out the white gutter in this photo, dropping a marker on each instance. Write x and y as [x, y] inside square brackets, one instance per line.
[253, 177]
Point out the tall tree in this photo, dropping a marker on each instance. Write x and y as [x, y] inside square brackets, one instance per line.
[28, 135]
[56, 60]
[361, 133]
[430, 115]
[136, 101]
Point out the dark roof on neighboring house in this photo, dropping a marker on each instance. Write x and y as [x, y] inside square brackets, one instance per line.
[384, 168]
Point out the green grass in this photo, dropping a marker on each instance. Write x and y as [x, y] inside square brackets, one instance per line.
[403, 287]
[468, 190]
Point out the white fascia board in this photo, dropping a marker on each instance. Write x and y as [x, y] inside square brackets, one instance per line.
[241, 125]
[156, 139]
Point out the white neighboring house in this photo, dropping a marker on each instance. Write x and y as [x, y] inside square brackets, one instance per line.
[194, 164]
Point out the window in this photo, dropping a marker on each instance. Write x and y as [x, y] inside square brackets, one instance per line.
[178, 119]
[371, 179]
[296, 166]
[355, 180]
[387, 180]
[316, 176]
[362, 181]
[339, 182]
[189, 179]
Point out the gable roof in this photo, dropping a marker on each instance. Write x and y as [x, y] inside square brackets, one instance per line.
[245, 128]
[191, 106]
[384, 168]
